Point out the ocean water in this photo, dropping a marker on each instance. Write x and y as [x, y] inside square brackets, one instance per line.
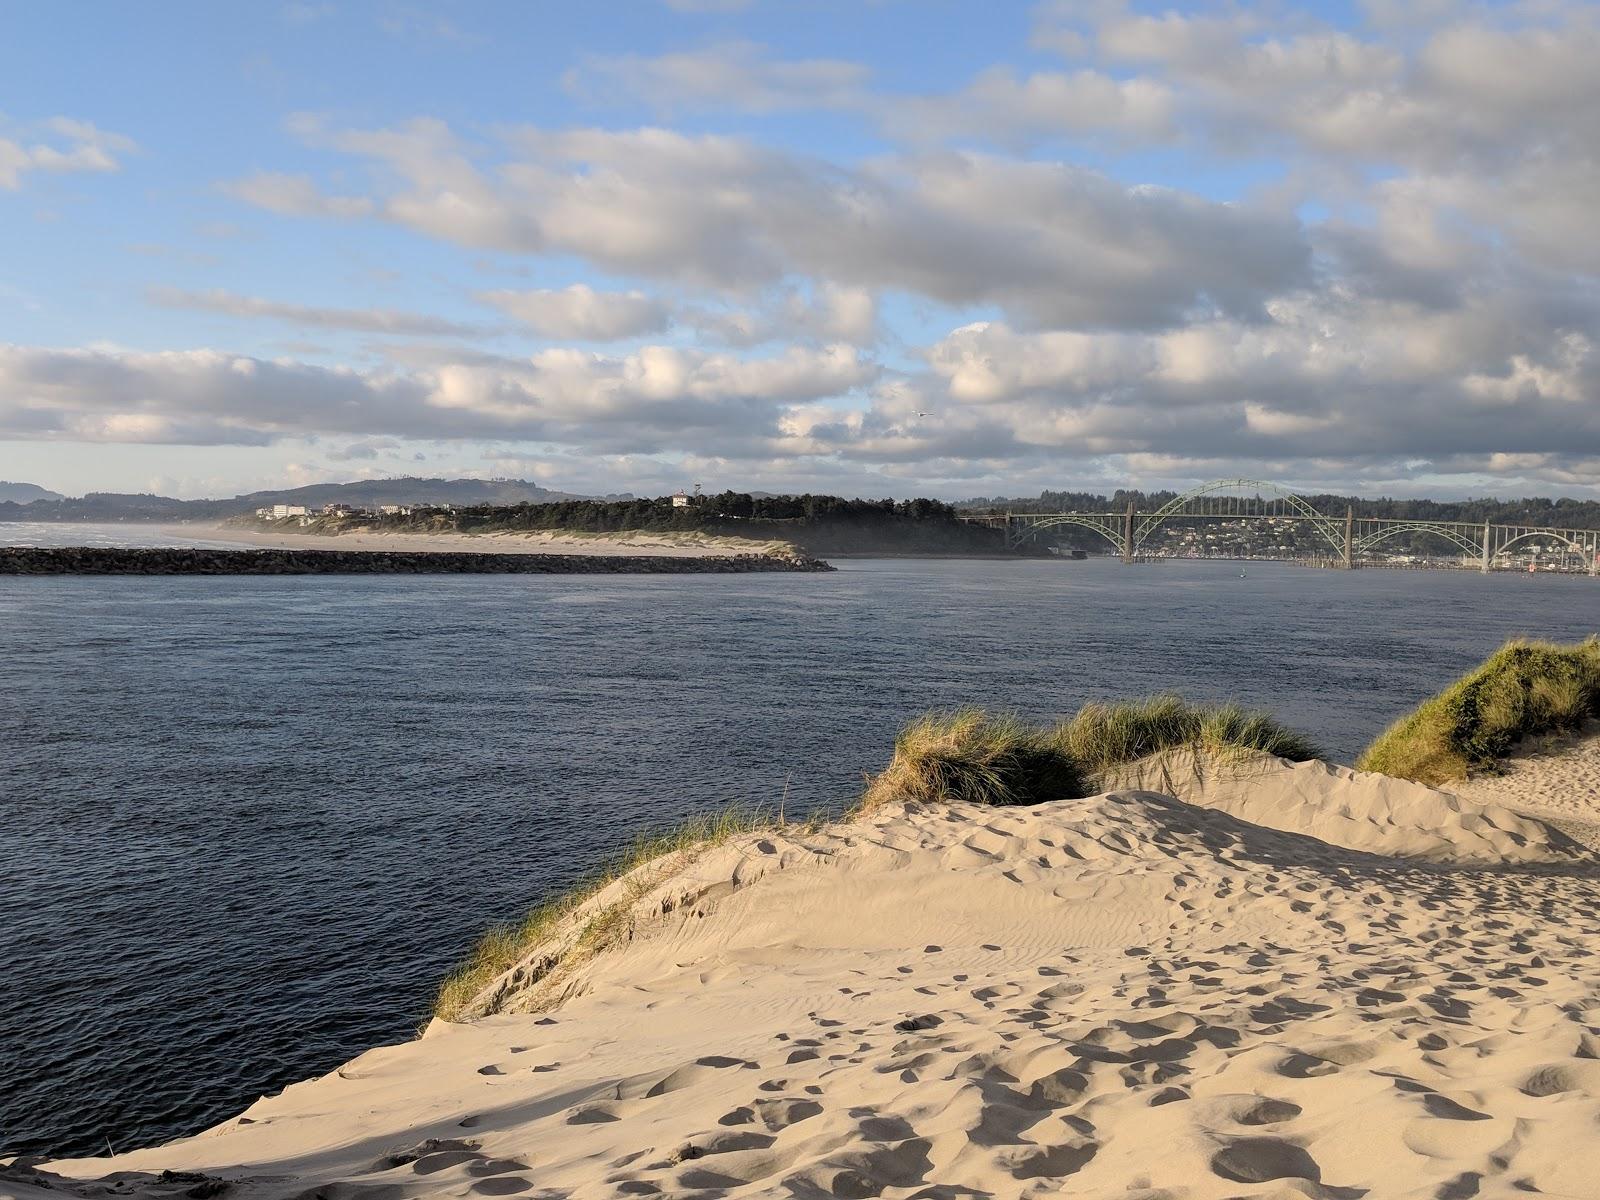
[249, 823]
[197, 535]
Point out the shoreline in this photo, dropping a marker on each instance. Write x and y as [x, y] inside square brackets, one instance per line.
[1213, 983]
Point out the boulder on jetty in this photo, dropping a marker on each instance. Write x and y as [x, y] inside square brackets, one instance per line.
[95, 560]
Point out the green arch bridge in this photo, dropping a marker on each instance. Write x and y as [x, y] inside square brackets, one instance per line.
[1347, 536]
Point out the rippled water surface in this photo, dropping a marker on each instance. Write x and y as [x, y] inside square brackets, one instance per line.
[194, 534]
[250, 822]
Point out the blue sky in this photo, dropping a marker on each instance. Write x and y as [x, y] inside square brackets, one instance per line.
[877, 248]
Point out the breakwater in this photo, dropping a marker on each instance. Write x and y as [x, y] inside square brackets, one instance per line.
[95, 560]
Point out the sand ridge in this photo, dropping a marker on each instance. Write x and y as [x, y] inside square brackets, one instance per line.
[1129, 995]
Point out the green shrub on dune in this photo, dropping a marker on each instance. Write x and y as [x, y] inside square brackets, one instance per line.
[1525, 689]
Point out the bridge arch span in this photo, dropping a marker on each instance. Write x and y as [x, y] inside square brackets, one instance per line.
[1099, 526]
[1296, 506]
[1566, 541]
[1454, 537]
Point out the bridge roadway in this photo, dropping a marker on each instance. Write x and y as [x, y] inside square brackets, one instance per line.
[1348, 536]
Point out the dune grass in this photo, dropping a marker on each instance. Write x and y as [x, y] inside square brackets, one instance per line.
[972, 756]
[1524, 689]
[643, 864]
[1103, 736]
[967, 755]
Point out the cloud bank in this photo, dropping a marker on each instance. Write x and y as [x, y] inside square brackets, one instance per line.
[1176, 245]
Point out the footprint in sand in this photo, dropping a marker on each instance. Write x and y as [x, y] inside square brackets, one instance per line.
[592, 1114]
[502, 1185]
[1576, 1076]
[1246, 1109]
[1053, 1162]
[1260, 1160]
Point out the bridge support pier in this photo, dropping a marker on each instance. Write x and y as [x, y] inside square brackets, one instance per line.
[1127, 534]
[1488, 554]
[1349, 539]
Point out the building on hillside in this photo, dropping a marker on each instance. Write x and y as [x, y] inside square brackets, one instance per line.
[279, 511]
[680, 499]
[395, 510]
[338, 510]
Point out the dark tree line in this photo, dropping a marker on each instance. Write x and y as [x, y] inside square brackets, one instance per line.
[1537, 510]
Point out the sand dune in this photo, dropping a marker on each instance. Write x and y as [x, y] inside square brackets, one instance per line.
[1356, 809]
[1391, 993]
[1556, 780]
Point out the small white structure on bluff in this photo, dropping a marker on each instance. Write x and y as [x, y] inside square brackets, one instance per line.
[279, 511]
[680, 499]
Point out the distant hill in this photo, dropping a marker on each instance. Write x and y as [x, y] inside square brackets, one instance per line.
[121, 506]
[410, 490]
[25, 493]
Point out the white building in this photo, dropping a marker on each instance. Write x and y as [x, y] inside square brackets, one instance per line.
[680, 499]
[395, 510]
[279, 511]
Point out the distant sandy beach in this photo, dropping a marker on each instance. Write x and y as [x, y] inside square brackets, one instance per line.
[674, 545]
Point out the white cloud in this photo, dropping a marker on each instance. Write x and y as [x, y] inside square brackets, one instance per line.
[296, 196]
[580, 313]
[657, 397]
[831, 313]
[1001, 106]
[64, 145]
[364, 320]
[1055, 243]
[738, 74]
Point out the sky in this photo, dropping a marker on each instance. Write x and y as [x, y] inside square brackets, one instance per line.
[874, 248]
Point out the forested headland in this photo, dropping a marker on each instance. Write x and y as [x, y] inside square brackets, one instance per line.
[817, 525]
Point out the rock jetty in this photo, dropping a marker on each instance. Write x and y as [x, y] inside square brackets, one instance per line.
[94, 560]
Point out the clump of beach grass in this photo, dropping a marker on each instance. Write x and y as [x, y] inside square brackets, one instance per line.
[974, 757]
[1524, 689]
[971, 756]
[643, 864]
[1101, 737]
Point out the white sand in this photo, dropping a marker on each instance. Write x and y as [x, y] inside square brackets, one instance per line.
[674, 545]
[1556, 779]
[1125, 996]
